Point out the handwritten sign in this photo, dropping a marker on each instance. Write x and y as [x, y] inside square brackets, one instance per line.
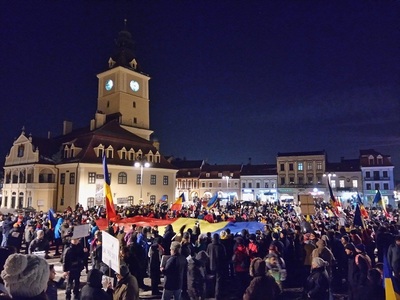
[110, 251]
[81, 231]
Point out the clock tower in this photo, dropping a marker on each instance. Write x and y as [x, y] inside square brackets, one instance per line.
[123, 91]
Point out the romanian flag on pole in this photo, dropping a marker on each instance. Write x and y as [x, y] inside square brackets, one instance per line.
[335, 203]
[177, 205]
[363, 211]
[110, 209]
[392, 290]
[358, 219]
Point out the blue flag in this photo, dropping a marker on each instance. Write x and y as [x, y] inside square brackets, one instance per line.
[52, 219]
[212, 201]
[358, 219]
[378, 197]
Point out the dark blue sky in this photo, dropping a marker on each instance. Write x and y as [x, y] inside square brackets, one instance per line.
[230, 79]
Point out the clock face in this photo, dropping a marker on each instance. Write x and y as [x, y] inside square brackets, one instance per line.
[134, 85]
[109, 84]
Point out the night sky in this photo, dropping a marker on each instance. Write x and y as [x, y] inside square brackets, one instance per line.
[230, 80]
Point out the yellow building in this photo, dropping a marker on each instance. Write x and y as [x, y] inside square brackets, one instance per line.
[57, 172]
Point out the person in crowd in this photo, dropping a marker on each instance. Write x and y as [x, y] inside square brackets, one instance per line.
[262, 285]
[197, 275]
[241, 264]
[217, 263]
[53, 285]
[393, 256]
[127, 287]
[40, 244]
[15, 236]
[29, 235]
[155, 254]
[167, 238]
[226, 239]
[374, 289]
[26, 276]
[276, 267]
[325, 253]
[73, 264]
[8, 224]
[174, 270]
[317, 284]
[358, 267]
[57, 237]
[93, 289]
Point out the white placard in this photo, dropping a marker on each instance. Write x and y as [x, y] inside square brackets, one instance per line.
[81, 231]
[110, 251]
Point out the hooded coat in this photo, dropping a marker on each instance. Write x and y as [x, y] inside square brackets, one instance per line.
[196, 275]
[93, 289]
[262, 286]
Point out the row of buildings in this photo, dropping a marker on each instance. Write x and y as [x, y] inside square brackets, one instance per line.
[66, 170]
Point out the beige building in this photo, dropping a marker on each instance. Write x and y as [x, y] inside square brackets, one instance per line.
[57, 172]
[301, 173]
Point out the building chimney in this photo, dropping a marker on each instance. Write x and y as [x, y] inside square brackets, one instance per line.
[100, 119]
[67, 127]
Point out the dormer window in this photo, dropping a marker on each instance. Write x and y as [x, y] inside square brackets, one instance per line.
[21, 149]
[110, 152]
[219, 175]
[371, 160]
[380, 160]
[207, 175]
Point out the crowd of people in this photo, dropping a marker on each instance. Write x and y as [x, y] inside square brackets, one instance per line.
[322, 254]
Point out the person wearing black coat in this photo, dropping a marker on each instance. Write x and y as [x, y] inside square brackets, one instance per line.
[167, 238]
[218, 263]
[7, 226]
[317, 284]
[93, 290]
[174, 271]
[196, 276]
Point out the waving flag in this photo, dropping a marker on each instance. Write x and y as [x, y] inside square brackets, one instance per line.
[392, 289]
[164, 198]
[213, 201]
[363, 211]
[110, 209]
[358, 219]
[335, 203]
[178, 203]
[52, 219]
[378, 200]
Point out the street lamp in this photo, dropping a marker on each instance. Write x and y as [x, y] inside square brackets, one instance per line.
[141, 164]
[227, 183]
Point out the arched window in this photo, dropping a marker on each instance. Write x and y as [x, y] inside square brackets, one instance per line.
[122, 178]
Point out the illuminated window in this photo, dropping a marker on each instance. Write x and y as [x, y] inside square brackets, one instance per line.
[319, 165]
[355, 183]
[153, 179]
[341, 183]
[138, 179]
[21, 149]
[309, 166]
[300, 166]
[333, 184]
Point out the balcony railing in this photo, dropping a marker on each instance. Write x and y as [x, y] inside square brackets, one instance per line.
[379, 178]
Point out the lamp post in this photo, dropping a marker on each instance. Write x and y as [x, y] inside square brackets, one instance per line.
[227, 185]
[141, 164]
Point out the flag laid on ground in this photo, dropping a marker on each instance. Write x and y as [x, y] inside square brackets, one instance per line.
[164, 198]
[392, 290]
[378, 200]
[334, 202]
[213, 201]
[364, 212]
[358, 219]
[178, 203]
[52, 219]
[110, 209]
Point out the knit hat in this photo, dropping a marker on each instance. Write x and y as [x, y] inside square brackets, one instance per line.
[319, 262]
[25, 275]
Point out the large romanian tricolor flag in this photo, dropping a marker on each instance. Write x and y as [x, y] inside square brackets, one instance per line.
[110, 209]
[363, 211]
[177, 205]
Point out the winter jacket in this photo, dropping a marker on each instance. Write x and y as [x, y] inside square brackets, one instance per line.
[317, 284]
[393, 256]
[93, 290]
[126, 289]
[217, 256]
[57, 228]
[174, 271]
[52, 287]
[241, 259]
[196, 276]
[262, 286]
